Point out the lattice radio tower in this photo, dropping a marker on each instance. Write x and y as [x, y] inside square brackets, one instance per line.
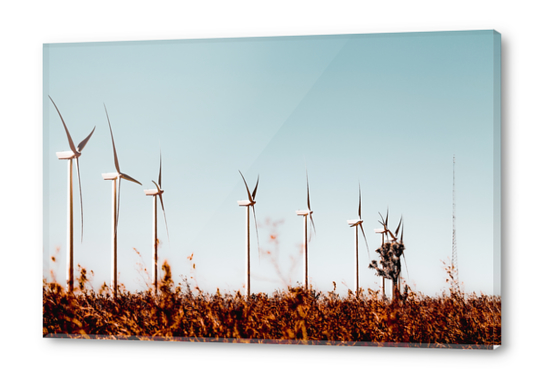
[455, 271]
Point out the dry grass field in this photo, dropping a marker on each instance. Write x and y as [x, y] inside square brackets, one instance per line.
[294, 316]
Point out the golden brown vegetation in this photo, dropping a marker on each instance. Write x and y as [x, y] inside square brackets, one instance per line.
[294, 315]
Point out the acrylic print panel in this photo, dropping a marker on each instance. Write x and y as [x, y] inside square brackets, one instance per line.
[334, 190]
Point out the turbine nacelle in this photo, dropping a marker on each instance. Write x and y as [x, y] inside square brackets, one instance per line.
[354, 222]
[304, 213]
[111, 176]
[245, 203]
[67, 155]
[152, 192]
[158, 191]
[387, 231]
[117, 175]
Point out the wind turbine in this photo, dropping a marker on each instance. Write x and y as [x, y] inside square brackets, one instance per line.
[390, 255]
[355, 224]
[383, 232]
[74, 153]
[305, 213]
[154, 193]
[116, 207]
[249, 203]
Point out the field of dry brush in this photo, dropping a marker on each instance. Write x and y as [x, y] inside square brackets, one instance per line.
[295, 315]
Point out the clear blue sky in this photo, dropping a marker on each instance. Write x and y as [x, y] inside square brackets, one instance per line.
[386, 110]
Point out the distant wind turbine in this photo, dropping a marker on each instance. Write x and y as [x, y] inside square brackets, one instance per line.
[74, 153]
[249, 204]
[154, 193]
[305, 213]
[355, 224]
[386, 231]
[116, 206]
[383, 232]
[390, 255]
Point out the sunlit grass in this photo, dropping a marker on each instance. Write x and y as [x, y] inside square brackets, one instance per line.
[294, 315]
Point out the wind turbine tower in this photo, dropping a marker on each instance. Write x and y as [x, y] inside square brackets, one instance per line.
[74, 153]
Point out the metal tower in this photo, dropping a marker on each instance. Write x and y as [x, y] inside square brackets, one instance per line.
[454, 242]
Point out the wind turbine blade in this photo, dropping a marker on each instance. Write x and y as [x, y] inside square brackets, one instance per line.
[83, 143]
[246, 186]
[255, 188]
[359, 210]
[257, 235]
[164, 211]
[312, 222]
[404, 257]
[157, 186]
[80, 195]
[128, 177]
[366, 244]
[113, 140]
[398, 226]
[160, 171]
[406, 266]
[70, 141]
[308, 194]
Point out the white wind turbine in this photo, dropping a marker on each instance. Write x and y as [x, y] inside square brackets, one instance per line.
[386, 231]
[249, 203]
[389, 235]
[394, 239]
[154, 193]
[74, 153]
[116, 207]
[355, 224]
[305, 213]
[383, 232]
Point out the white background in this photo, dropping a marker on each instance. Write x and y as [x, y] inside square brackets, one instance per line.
[25, 26]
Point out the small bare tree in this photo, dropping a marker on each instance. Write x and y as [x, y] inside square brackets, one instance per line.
[390, 253]
[390, 264]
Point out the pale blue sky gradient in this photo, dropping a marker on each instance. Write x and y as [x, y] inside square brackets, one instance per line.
[386, 110]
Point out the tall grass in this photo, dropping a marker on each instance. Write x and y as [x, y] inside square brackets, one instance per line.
[295, 315]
